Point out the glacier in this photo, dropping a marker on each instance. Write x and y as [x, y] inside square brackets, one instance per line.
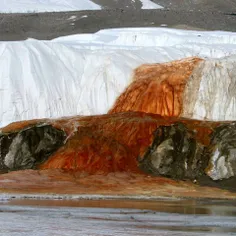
[83, 74]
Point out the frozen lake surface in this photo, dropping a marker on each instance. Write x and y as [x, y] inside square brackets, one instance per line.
[109, 217]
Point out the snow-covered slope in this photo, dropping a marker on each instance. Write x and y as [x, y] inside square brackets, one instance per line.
[150, 5]
[84, 74]
[204, 43]
[28, 6]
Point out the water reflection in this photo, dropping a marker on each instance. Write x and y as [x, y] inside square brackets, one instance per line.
[118, 217]
[204, 207]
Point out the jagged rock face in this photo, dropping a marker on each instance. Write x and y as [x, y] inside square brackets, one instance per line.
[29, 147]
[131, 141]
[139, 142]
[174, 153]
[192, 88]
[222, 152]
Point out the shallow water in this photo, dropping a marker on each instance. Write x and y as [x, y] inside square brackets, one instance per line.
[117, 217]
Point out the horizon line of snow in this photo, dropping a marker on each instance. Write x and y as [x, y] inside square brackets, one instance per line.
[32, 6]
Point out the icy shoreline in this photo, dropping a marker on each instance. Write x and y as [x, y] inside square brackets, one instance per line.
[6, 197]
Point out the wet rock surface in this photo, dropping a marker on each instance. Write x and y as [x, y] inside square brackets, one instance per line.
[174, 153]
[222, 152]
[137, 148]
[130, 141]
[29, 147]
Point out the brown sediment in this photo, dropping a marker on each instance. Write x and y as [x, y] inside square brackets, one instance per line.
[157, 88]
[100, 156]
[18, 125]
[110, 143]
[116, 184]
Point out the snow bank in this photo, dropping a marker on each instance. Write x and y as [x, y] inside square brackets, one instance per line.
[44, 79]
[134, 38]
[150, 5]
[84, 74]
[27, 6]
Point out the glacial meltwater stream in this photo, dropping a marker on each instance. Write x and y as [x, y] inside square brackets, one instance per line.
[117, 217]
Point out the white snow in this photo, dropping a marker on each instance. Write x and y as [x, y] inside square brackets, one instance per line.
[84, 74]
[28, 6]
[210, 92]
[220, 167]
[150, 5]
[73, 18]
[136, 38]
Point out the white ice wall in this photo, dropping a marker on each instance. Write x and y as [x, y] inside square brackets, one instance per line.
[84, 74]
[211, 90]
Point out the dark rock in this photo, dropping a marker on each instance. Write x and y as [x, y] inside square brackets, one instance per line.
[174, 153]
[222, 152]
[29, 147]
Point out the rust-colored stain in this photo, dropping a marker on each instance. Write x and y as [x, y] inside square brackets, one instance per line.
[100, 153]
[112, 142]
[157, 88]
[116, 183]
[16, 126]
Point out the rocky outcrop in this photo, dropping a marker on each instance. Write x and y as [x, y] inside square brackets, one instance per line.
[143, 132]
[192, 88]
[29, 147]
[175, 153]
[132, 141]
[222, 152]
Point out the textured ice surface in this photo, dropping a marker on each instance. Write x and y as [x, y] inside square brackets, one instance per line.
[210, 92]
[84, 74]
